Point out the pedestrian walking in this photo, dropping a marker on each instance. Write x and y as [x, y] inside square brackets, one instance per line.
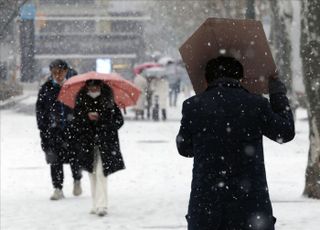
[160, 89]
[174, 91]
[142, 84]
[96, 122]
[53, 120]
[222, 128]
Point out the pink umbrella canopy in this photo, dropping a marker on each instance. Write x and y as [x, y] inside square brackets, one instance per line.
[243, 39]
[125, 93]
[139, 68]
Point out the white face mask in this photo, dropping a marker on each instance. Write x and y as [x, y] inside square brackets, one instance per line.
[94, 94]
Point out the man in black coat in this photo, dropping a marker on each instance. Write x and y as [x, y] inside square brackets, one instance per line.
[222, 128]
[54, 119]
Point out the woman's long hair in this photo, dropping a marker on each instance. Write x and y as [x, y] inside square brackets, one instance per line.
[106, 92]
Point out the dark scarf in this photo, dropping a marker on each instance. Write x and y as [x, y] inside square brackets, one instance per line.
[225, 82]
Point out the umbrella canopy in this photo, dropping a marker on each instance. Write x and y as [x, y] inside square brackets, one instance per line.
[139, 68]
[155, 72]
[165, 60]
[125, 93]
[243, 39]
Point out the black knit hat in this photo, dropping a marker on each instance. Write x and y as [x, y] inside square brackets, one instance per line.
[58, 64]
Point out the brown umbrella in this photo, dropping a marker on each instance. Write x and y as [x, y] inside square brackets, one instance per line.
[243, 39]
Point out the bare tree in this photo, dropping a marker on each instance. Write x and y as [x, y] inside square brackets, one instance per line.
[9, 10]
[282, 14]
[250, 12]
[310, 47]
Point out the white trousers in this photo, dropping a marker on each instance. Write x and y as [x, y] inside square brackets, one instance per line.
[98, 183]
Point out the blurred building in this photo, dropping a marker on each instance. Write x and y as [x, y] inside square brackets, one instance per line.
[7, 38]
[9, 49]
[82, 31]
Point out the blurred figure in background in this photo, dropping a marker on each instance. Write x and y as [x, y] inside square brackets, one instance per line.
[175, 82]
[160, 88]
[142, 84]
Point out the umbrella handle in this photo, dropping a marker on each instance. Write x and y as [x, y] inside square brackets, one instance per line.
[274, 75]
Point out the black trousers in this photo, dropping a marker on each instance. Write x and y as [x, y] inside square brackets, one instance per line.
[57, 174]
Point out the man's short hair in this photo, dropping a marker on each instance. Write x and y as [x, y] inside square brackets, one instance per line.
[223, 66]
[58, 64]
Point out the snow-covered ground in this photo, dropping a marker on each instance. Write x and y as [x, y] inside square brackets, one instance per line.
[152, 193]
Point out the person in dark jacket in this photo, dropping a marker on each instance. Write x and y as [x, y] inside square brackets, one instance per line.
[96, 122]
[222, 128]
[54, 119]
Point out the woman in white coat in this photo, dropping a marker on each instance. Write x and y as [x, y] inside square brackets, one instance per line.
[160, 87]
[142, 84]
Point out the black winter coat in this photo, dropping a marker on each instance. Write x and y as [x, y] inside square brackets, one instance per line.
[222, 129]
[102, 133]
[53, 120]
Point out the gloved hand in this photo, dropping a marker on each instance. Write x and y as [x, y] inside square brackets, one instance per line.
[276, 85]
[51, 156]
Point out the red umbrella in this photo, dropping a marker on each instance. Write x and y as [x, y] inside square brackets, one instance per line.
[125, 93]
[139, 68]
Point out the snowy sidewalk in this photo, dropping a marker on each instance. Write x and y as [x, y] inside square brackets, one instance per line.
[152, 193]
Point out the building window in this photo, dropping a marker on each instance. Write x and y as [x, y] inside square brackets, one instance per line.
[68, 27]
[66, 2]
